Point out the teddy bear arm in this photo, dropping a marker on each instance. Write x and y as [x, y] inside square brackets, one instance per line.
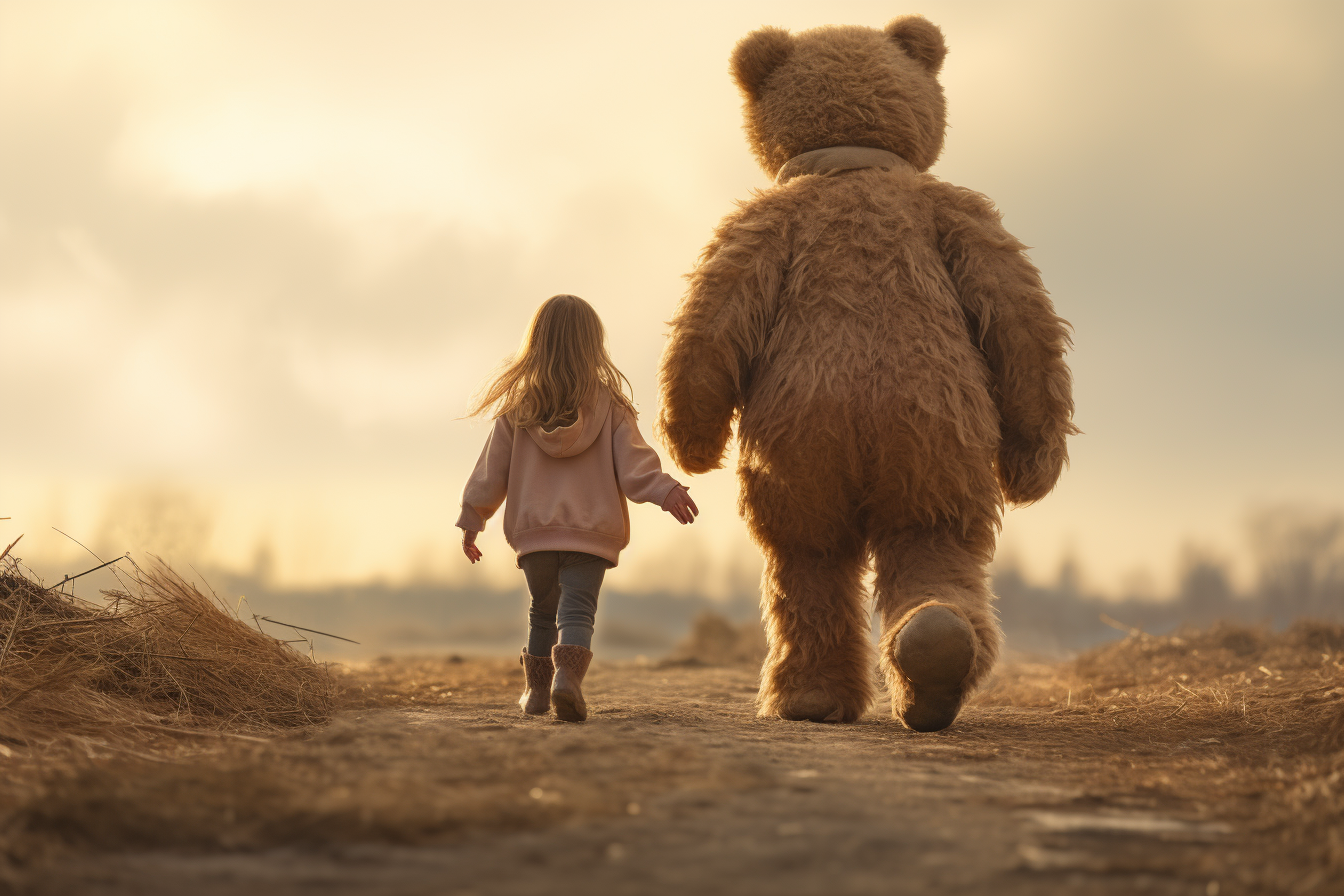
[699, 401]
[1024, 342]
[721, 326]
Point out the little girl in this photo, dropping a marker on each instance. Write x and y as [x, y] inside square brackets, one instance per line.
[566, 453]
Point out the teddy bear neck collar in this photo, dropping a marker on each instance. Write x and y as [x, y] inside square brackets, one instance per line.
[835, 159]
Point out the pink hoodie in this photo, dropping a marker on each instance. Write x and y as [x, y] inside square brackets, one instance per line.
[567, 487]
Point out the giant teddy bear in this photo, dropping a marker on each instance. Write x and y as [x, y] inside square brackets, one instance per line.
[894, 366]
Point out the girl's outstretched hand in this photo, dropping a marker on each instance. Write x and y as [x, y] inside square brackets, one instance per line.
[678, 503]
[469, 545]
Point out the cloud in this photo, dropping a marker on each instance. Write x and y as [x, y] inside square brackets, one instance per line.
[266, 252]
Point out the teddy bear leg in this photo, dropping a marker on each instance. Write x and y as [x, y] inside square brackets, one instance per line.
[819, 665]
[940, 633]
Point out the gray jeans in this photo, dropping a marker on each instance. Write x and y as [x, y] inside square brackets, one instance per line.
[564, 586]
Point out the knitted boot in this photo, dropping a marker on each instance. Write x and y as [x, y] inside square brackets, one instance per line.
[538, 670]
[571, 664]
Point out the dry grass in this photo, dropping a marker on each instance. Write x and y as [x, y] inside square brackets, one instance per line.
[1233, 722]
[156, 673]
[1284, 692]
[160, 656]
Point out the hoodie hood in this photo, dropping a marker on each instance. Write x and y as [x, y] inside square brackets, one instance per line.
[567, 441]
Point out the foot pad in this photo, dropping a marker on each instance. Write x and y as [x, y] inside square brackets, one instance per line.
[934, 653]
[813, 706]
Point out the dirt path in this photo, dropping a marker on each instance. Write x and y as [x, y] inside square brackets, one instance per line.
[673, 786]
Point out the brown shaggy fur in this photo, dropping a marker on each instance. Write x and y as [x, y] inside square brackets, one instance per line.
[843, 85]
[891, 357]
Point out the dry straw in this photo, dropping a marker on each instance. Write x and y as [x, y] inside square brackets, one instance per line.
[158, 655]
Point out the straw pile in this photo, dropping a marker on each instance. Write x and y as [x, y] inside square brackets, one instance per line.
[1294, 678]
[159, 656]
[715, 641]
[1238, 717]
[1275, 703]
[1284, 689]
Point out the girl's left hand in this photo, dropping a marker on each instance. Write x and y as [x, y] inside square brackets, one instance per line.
[469, 545]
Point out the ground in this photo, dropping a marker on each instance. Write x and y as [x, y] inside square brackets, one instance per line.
[1208, 765]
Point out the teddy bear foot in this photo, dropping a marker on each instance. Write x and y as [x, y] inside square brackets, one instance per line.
[812, 706]
[933, 652]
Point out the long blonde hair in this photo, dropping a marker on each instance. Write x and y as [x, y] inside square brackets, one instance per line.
[562, 362]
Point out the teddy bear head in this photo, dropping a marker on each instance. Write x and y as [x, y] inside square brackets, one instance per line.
[843, 86]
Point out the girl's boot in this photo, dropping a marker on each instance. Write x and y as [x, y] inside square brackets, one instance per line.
[571, 664]
[538, 670]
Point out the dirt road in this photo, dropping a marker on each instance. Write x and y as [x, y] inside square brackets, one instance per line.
[433, 782]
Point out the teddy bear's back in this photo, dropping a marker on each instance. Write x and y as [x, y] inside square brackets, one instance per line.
[868, 335]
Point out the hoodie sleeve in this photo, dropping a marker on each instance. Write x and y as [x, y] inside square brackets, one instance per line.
[489, 482]
[638, 469]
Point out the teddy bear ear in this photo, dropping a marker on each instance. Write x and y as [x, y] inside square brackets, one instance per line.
[757, 55]
[920, 39]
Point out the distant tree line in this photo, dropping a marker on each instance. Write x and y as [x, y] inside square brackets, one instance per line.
[1298, 558]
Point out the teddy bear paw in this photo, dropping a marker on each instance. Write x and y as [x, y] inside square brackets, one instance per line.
[934, 653]
[812, 706]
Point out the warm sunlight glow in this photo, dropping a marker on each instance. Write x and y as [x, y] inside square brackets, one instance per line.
[257, 257]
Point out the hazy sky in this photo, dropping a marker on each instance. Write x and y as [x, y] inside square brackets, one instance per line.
[255, 257]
